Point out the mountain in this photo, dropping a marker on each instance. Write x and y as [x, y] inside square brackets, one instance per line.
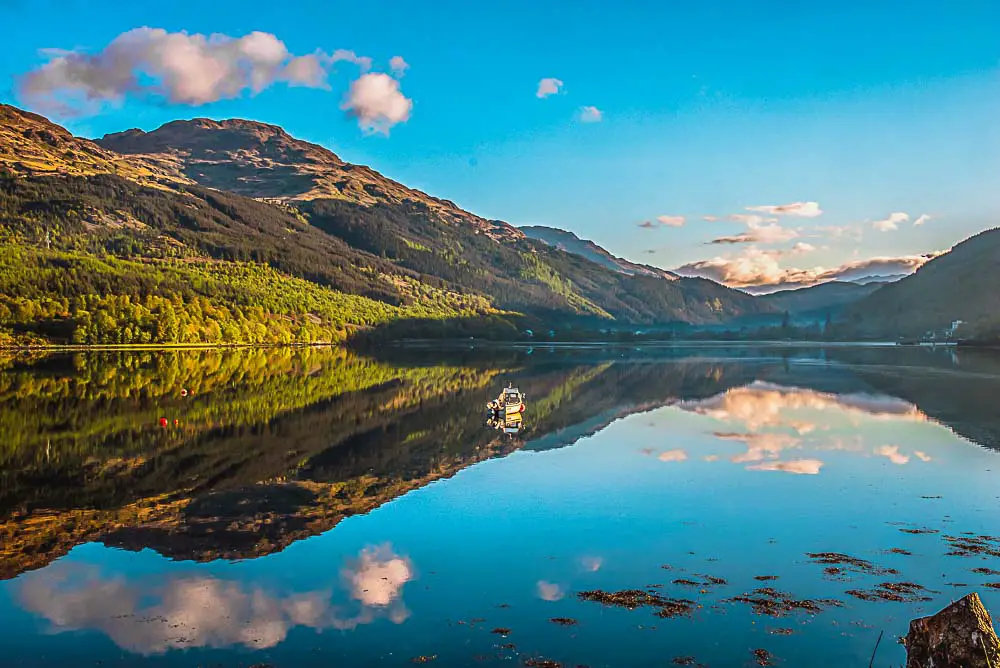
[32, 145]
[189, 213]
[878, 278]
[962, 284]
[571, 243]
[829, 296]
[263, 161]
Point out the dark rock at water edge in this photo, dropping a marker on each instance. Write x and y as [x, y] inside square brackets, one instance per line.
[959, 636]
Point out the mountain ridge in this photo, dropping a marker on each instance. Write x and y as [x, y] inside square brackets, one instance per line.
[571, 243]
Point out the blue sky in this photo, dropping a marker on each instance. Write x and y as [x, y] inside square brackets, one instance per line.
[867, 108]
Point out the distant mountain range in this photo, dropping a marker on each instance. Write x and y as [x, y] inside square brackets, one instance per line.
[206, 231]
[569, 242]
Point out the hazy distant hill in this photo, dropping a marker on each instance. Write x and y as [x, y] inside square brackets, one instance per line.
[962, 284]
[825, 296]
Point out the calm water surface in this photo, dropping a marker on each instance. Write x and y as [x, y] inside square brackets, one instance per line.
[317, 507]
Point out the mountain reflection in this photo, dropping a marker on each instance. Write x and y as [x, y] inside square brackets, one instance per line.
[151, 617]
[273, 446]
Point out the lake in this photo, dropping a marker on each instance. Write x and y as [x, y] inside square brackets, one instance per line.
[656, 506]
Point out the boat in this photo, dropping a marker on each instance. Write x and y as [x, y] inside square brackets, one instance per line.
[509, 402]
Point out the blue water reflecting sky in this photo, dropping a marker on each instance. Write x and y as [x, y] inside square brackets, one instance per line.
[737, 485]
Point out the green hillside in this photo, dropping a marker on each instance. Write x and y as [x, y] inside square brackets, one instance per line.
[94, 257]
[963, 284]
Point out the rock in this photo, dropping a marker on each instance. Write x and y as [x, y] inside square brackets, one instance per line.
[959, 636]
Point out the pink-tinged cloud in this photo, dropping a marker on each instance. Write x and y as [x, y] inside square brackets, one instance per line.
[676, 455]
[591, 564]
[671, 221]
[760, 270]
[376, 101]
[591, 115]
[922, 456]
[548, 591]
[398, 66]
[892, 453]
[182, 68]
[796, 209]
[154, 616]
[548, 86]
[891, 224]
[796, 466]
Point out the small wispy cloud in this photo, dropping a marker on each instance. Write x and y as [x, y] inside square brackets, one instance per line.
[892, 453]
[676, 455]
[671, 221]
[891, 223]
[398, 66]
[923, 218]
[548, 86]
[796, 466]
[761, 229]
[591, 115]
[797, 209]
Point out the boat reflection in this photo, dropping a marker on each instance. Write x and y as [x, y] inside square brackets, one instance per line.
[506, 412]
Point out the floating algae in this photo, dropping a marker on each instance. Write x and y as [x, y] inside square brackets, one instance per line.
[637, 598]
[902, 592]
[774, 603]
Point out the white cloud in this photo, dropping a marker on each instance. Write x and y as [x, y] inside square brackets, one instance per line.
[398, 65]
[923, 218]
[591, 564]
[376, 101]
[922, 456]
[345, 55]
[591, 115]
[851, 232]
[183, 68]
[797, 209]
[891, 223]
[802, 247]
[676, 455]
[750, 219]
[548, 86]
[308, 71]
[710, 219]
[671, 221]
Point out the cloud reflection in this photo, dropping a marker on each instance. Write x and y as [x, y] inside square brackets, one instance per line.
[797, 466]
[549, 591]
[892, 453]
[762, 404]
[203, 611]
[771, 420]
